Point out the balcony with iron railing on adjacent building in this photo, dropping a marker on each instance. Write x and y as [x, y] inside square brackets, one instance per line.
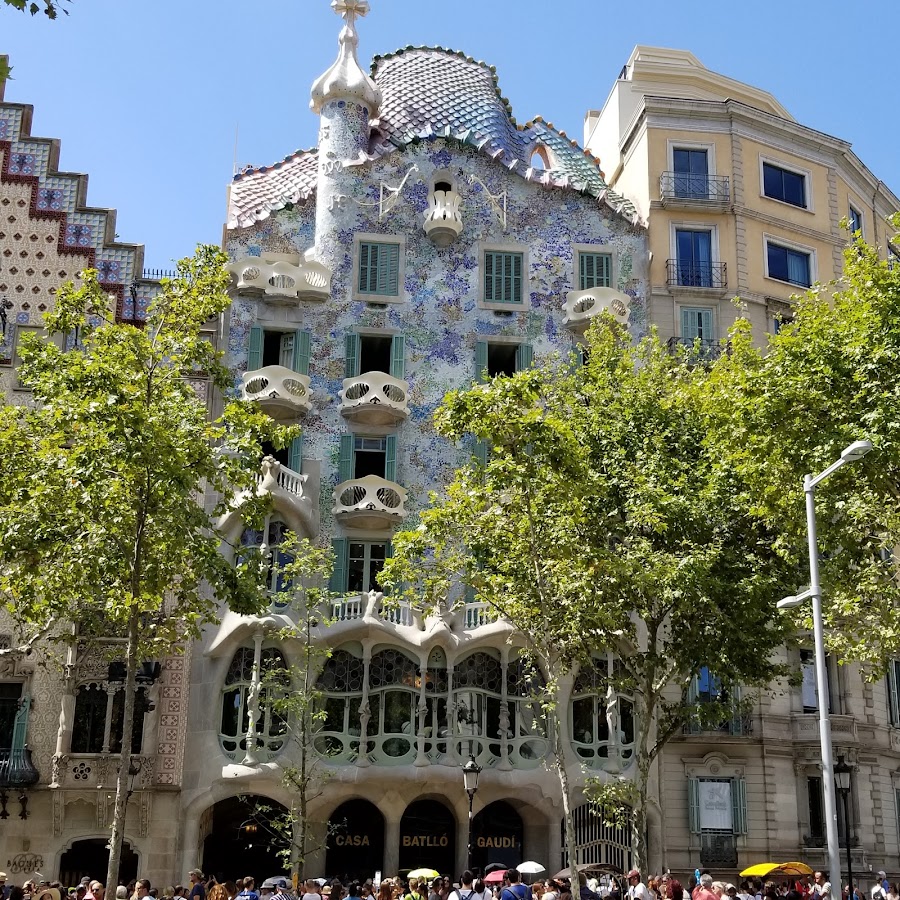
[696, 275]
[697, 350]
[718, 849]
[706, 191]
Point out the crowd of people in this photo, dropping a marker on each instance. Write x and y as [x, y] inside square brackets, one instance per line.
[700, 886]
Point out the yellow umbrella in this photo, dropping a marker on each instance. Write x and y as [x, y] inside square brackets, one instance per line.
[762, 870]
[423, 873]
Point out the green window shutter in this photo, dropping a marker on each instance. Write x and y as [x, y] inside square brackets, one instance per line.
[577, 356]
[739, 806]
[694, 805]
[502, 277]
[340, 548]
[389, 270]
[379, 269]
[481, 452]
[594, 270]
[20, 724]
[255, 353]
[351, 354]
[345, 460]
[390, 457]
[693, 693]
[524, 357]
[301, 352]
[295, 454]
[696, 323]
[398, 356]
[481, 353]
[737, 718]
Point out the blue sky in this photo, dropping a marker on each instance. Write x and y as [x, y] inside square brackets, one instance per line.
[146, 95]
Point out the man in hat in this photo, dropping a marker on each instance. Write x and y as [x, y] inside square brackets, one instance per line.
[4, 887]
[637, 890]
[198, 888]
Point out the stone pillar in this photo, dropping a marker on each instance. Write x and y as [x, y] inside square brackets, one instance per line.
[391, 841]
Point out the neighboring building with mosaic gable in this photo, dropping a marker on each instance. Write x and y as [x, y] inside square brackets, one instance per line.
[428, 237]
[60, 719]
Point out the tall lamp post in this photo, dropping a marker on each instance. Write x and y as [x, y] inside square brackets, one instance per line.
[842, 778]
[471, 770]
[857, 450]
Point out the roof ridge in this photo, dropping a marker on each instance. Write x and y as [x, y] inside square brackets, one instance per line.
[373, 68]
[252, 170]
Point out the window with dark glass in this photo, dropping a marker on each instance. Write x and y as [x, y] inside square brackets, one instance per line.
[98, 707]
[693, 250]
[786, 264]
[855, 219]
[691, 173]
[785, 185]
[10, 697]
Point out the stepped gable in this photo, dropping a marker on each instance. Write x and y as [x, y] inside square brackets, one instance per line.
[48, 232]
[256, 193]
[426, 93]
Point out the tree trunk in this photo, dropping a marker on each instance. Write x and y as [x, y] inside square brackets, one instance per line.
[639, 813]
[571, 847]
[121, 805]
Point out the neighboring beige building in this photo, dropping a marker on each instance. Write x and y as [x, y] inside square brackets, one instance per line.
[60, 719]
[742, 200]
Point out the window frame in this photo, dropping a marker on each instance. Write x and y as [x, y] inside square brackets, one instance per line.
[790, 246]
[792, 169]
[855, 212]
[579, 250]
[364, 237]
[523, 251]
[712, 309]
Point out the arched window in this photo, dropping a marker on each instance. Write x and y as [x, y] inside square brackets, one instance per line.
[272, 558]
[271, 726]
[100, 715]
[477, 686]
[527, 723]
[393, 701]
[341, 686]
[590, 719]
[437, 726]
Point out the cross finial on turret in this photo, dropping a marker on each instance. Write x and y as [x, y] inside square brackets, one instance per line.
[350, 10]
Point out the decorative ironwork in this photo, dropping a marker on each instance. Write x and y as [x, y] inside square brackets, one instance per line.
[16, 768]
[718, 849]
[697, 349]
[680, 186]
[696, 274]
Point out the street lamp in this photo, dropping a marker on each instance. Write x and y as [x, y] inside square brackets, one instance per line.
[842, 780]
[471, 770]
[856, 450]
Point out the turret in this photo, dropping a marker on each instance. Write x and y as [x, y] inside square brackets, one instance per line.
[345, 98]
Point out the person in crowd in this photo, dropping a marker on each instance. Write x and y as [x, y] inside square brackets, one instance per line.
[154, 893]
[311, 890]
[480, 889]
[551, 890]
[537, 890]
[637, 890]
[142, 889]
[445, 888]
[198, 888]
[414, 892]
[16, 893]
[353, 891]
[435, 892]
[822, 888]
[718, 888]
[230, 889]
[247, 893]
[282, 889]
[514, 889]
[217, 892]
[122, 892]
[565, 889]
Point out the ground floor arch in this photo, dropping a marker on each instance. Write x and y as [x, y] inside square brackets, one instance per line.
[497, 836]
[90, 857]
[245, 840]
[355, 841]
[428, 837]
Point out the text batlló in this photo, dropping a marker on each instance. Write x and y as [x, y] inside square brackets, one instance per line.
[426, 840]
[496, 842]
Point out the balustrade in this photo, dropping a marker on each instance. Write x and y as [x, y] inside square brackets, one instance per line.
[375, 398]
[283, 394]
[308, 280]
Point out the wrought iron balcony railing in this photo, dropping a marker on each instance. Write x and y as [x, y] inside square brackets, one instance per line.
[702, 188]
[718, 849]
[696, 275]
[697, 349]
[16, 768]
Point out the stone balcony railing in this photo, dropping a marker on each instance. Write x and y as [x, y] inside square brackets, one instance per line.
[375, 398]
[307, 280]
[99, 770]
[443, 221]
[581, 306]
[475, 615]
[806, 727]
[285, 484]
[283, 394]
[369, 502]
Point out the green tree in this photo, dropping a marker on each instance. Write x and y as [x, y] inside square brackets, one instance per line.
[103, 524]
[50, 8]
[830, 376]
[602, 522]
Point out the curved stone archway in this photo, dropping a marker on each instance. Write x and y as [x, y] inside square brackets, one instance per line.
[355, 841]
[497, 836]
[428, 837]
